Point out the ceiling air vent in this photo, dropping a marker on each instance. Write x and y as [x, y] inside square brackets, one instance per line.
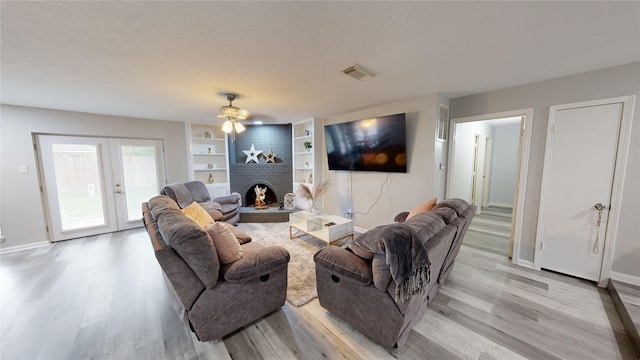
[357, 72]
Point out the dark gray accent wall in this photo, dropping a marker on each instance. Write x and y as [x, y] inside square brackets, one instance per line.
[278, 177]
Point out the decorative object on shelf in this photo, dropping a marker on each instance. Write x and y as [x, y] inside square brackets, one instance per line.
[307, 165]
[209, 151]
[312, 195]
[310, 181]
[210, 166]
[252, 154]
[289, 201]
[270, 157]
[232, 114]
[307, 133]
[307, 145]
[207, 135]
[260, 195]
[210, 178]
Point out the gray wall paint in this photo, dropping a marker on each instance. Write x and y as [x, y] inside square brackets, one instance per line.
[400, 192]
[600, 84]
[504, 163]
[23, 219]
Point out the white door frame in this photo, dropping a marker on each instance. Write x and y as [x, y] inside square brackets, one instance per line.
[521, 178]
[488, 151]
[624, 140]
[114, 215]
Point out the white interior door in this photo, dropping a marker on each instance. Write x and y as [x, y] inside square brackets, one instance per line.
[579, 169]
[96, 185]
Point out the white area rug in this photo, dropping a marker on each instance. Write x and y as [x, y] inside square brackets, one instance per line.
[301, 287]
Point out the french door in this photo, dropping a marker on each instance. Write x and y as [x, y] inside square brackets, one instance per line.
[96, 185]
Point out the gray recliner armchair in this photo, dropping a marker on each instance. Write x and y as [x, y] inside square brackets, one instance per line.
[213, 298]
[224, 208]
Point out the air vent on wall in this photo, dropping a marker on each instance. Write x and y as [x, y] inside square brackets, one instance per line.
[357, 72]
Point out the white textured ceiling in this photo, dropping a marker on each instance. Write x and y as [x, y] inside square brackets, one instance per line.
[170, 60]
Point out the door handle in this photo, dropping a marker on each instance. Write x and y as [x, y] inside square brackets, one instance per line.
[600, 206]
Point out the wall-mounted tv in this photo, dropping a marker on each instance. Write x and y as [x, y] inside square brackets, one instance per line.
[375, 144]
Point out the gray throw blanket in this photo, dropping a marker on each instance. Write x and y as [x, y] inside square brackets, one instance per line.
[405, 254]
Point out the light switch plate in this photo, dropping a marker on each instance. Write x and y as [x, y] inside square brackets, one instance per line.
[23, 169]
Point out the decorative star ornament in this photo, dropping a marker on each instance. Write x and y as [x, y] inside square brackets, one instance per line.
[270, 157]
[252, 154]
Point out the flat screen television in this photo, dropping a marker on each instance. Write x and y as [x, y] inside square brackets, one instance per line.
[375, 144]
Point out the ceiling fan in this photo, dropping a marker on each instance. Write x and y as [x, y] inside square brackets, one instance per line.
[233, 114]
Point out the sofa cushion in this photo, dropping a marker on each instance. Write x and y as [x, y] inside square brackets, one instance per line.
[198, 191]
[193, 244]
[198, 214]
[227, 246]
[213, 208]
[425, 206]
[381, 272]
[242, 236]
[458, 205]
[179, 193]
[447, 214]
[162, 204]
[256, 264]
[358, 250]
[344, 263]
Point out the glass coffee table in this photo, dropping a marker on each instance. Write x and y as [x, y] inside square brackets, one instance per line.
[328, 228]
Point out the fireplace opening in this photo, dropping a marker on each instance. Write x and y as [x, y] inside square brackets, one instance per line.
[270, 198]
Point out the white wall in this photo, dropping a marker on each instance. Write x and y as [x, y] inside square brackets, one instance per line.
[463, 157]
[358, 190]
[600, 84]
[504, 164]
[23, 220]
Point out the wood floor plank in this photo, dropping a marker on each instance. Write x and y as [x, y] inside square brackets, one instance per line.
[104, 297]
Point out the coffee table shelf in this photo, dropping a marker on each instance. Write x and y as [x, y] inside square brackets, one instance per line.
[328, 228]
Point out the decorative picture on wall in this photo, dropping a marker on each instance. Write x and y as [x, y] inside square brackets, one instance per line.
[442, 125]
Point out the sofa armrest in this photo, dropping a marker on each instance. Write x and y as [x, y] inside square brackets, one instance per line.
[233, 198]
[256, 264]
[345, 263]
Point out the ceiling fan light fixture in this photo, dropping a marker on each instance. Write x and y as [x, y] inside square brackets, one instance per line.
[227, 127]
[232, 114]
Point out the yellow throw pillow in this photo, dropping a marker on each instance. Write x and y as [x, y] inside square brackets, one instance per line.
[198, 214]
[425, 206]
[227, 246]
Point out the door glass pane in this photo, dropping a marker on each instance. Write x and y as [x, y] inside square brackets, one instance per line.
[77, 174]
[140, 177]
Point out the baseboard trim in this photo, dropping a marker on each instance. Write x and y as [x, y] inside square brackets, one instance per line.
[35, 245]
[526, 263]
[359, 229]
[510, 206]
[625, 278]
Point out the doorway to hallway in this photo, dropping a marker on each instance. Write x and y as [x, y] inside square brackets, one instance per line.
[488, 158]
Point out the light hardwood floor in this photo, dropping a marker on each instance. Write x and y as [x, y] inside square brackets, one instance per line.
[104, 297]
[490, 230]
